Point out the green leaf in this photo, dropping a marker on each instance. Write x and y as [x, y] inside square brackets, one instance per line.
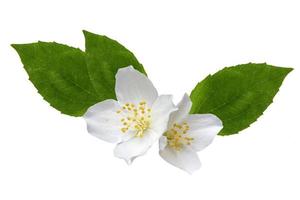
[238, 95]
[104, 57]
[60, 74]
[62, 77]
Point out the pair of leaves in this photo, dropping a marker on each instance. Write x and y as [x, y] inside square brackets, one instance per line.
[72, 80]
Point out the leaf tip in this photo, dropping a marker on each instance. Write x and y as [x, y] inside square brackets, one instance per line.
[15, 46]
[290, 69]
[86, 33]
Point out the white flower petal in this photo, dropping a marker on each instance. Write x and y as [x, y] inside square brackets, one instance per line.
[161, 110]
[163, 141]
[184, 107]
[135, 146]
[203, 128]
[103, 122]
[185, 159]
[133, 86]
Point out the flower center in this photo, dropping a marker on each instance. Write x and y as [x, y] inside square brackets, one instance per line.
[176, 136]
[135, 117]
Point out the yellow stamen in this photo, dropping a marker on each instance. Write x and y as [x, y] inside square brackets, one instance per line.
[176, 136]
[138, 118]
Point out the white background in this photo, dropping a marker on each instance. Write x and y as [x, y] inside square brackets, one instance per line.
[46, 155]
